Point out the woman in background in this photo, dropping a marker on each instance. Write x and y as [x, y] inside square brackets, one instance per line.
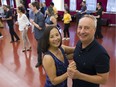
[66, 19]
[50, 19]
[23, 23]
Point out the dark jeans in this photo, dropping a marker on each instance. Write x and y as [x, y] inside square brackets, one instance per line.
[12, 32]
[98, 33]
[39, 51]
[66, 30]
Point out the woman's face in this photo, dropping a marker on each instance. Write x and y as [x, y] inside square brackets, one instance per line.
[54, 38]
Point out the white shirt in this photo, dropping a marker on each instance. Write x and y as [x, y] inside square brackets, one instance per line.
[23, 21]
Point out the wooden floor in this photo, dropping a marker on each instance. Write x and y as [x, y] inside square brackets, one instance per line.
[17, 69]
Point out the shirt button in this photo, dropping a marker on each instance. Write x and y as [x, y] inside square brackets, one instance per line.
[79, 55]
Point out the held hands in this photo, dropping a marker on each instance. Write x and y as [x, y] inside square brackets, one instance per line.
[72, 72]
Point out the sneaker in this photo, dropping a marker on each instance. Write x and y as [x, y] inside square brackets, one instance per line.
[11, 41]
[17, 40]
[29, 49]
[67, 38]
[64, 38]
[23, 50]
[1, 36]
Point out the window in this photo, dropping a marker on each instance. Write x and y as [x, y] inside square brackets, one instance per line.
[4, 2]
[72, 5]
[59, 4]
[12, 3]
[111, 6]
[91, 5]
[42, 1]
[17, 3]
[32, 0]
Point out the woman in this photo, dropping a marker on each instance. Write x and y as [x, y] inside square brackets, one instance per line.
[23, 27]
[66, 19]
[99, 11]
[55, 61]
[50, 19]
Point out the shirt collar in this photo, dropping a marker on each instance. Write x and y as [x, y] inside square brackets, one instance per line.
[88, 47]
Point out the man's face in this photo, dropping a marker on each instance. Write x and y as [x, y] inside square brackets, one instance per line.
[98, 5]
[33, 8]
[86, 30]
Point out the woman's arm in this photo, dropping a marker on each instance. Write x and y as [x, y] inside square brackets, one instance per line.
[69, 51]
[49, 66]
[54, 21]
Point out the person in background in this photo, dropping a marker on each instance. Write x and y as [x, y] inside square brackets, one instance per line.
[66, 6]
[66, 18]
[81, 12]
[31, 15]
[55, 13]
[55, 10]
[39, 27]
[23, 23]
[92, 60]
[50, 19]
[1, 27]
[55, 61]
[9, 18]
[43, 8]
[99, 12]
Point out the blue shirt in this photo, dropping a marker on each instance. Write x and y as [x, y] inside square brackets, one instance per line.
[39, 19]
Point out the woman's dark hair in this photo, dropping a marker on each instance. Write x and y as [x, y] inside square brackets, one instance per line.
[84, 2]
[50, 10]
[21, 8]
[45, 39]
[100, 3]
[52, 3]
[36, 4]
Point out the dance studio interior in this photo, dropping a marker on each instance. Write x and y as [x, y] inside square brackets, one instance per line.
[20, 44]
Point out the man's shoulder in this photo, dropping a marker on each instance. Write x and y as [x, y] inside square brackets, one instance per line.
[99, 47]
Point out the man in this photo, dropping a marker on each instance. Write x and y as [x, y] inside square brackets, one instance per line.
[99, 12]
[31, 14]
[55, 10]
[39, 27]
[92, 60]
[9, 19]
[81, 12]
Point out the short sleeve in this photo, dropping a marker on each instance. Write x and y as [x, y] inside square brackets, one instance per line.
[102, 63]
